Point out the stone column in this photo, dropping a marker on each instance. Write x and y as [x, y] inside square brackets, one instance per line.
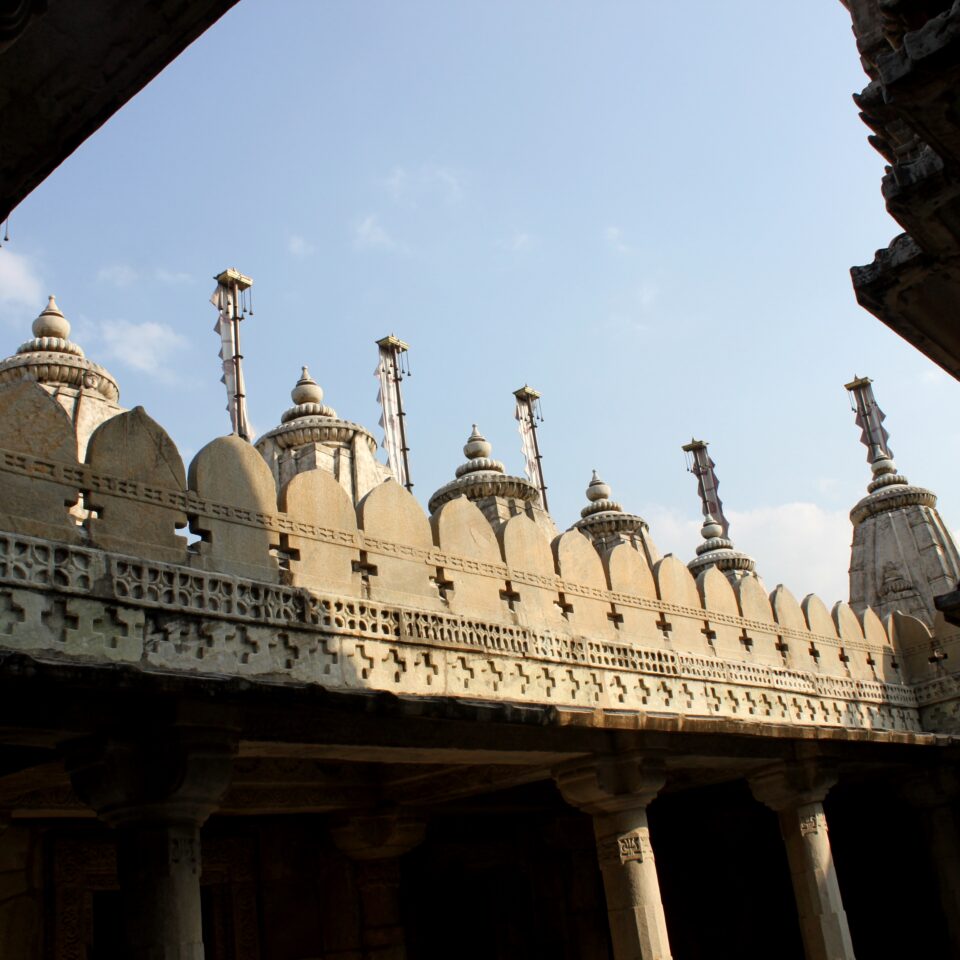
[935, 794]
[157, 790]
[796, 792]
[375, 842]
[616, 791]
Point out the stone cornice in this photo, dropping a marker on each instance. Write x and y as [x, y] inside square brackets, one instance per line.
[891, 498]
[317, 429]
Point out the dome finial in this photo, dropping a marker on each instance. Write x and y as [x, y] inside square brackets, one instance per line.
[597, 489]
[307, 389]
[477, 445]
[51, 322]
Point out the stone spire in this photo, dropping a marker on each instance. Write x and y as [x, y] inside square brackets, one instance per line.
[902, 554]
[717, 549]
[604, 521]
[498, 494]
[86, 391]
[311, 436]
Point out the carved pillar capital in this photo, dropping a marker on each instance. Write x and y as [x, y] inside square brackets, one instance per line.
[611, 784]
[787, 785]
[377, 835]
[176, 773]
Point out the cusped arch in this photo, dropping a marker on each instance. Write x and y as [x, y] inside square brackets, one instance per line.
[629, 572]
[133, 446]
[787, 609]
[753, 600]
[577, 560]
[229, 472]
[525, 547]
[716, 594]
[845, 620]
[461, 529]
[817, 616]
[873, 629]
[675, 583]
[393, 513]
[34, 424]
[315, 498]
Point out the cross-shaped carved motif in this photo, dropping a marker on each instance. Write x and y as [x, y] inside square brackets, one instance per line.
[465, 668]
[431, 669]
[643, 690]
[619, 689]
[574, 684]
[443, 585]
[523, 678]
[496, 675]
[510, 596]
[667, 691]
[746, 639]
[565, 608]
[844, 659]
[597, 685]
[615, 617]
[782, 648]
[708, 632]
[284, 552]
[366, 571]
[549, 683]
[399, 664]
[664, 625]
[815, 653]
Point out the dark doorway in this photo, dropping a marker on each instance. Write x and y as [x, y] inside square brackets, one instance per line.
[724, 876]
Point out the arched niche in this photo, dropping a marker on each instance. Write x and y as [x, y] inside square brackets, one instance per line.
[132, 446]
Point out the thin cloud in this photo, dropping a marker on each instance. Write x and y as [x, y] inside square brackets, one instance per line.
[20, 286]
[118, 275]
[518, 242]
[173, 278]
[147, 347]
[427, 182]
[298, 247]
[801, 545]
[616, 241]
[370, 234]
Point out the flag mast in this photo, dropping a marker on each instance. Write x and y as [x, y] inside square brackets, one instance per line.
[703, 468]
[527, 414]
[233, 303]
[391, 368]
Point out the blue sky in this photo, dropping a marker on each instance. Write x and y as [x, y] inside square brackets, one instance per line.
[647, 211]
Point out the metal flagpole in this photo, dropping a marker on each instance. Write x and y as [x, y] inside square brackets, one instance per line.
[390, 372]
[528, 412]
